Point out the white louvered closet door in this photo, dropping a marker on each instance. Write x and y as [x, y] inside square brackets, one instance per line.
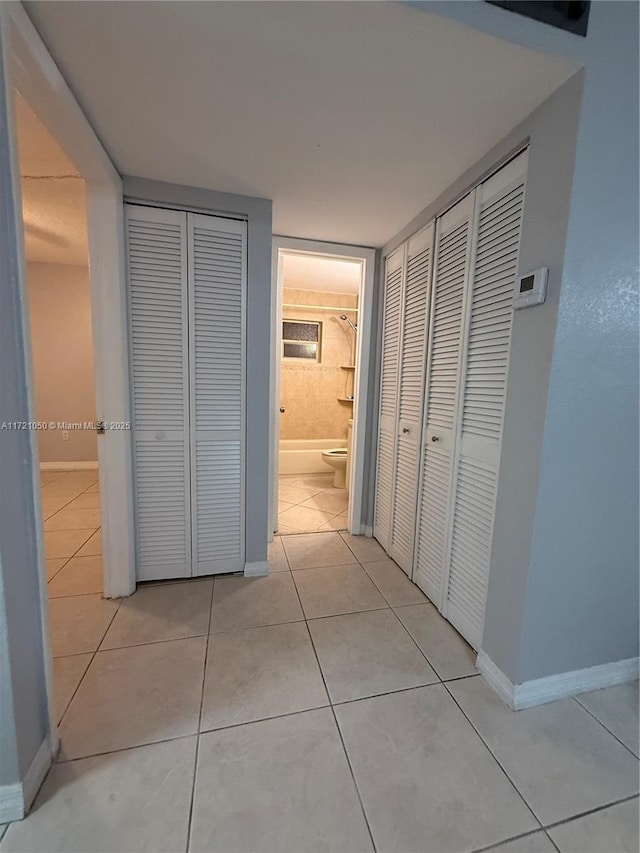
[484, 381]
[157, 280]
[217, 286]
[387, 424]
[410, 396]
[444, 352]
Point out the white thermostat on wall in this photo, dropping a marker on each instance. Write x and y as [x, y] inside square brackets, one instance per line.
[531, 289]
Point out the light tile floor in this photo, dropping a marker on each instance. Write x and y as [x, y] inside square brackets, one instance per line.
[309, 502]
[326, 707]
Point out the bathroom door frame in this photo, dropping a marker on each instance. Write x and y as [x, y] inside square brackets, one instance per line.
[356, 523]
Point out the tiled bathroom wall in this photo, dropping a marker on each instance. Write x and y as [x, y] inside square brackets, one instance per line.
[309, 391]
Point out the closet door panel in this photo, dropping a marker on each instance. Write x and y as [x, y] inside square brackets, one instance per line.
[484, 383]
[217, 286]
[410, 396]
[453, 240]
[391, 331]
[157, 275]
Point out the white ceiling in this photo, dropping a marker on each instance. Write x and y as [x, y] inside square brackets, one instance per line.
[310, 272]
[351, 116]
[53, 200]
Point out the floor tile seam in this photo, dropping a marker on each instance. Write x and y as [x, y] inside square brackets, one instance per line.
[130, 748]
[335, 720]
[493, 755]
[101, 649]
[84, 674]
[197, 749]
[608, 805]
[604, 726]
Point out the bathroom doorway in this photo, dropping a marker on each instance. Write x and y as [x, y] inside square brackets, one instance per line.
[320, 333]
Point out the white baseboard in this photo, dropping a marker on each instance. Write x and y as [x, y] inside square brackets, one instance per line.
[257, 569]
[68, 466]
[538, 691]
[368, 530]
[16, 800]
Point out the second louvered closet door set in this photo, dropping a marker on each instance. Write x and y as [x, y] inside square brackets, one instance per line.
[447, 315]
[187, 285]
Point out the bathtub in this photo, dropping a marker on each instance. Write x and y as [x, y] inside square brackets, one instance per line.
[304, 456]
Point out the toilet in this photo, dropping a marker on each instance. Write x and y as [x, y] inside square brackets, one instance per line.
[337, 459]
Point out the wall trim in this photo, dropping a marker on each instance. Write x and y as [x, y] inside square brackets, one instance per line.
[69, 466]
[16, 799]
[257, 570]
[539, 691]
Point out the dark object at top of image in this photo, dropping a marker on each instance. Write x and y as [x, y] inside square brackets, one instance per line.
[571, 15]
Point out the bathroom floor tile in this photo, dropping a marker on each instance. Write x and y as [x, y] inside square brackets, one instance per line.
[339, 522]
[134, 696]
[80, 576]
[67, 673]
[284, 786]
[296, 494]
[328, 501]
[617, 710]
[367, 653]
[73, 519]
[303, 517]
[614, 830]
[334, 590]
[393, 583]
[133, 800]
[54, 565]
[252, 602]
[65, 543]
[446, 651]
[312, 550]
[562, 761]
[256, 673]
[78, 623]
[87, 500]
[427, 781]
[92, 546]
[164, 612]
[365, 548]
[277, 557]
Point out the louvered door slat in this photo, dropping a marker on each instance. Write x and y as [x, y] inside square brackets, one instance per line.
[217, 279]
[443, 356]
[485, 374]
[410, 396]
[157, 278]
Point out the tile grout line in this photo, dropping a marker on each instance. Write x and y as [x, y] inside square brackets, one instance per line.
[588, 812]
[335, 720]
[125, 748]
[605, 727]
[490, 751]
[93, 656]
[198, 732]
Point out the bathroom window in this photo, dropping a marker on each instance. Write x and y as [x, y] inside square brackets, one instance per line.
[301, 339]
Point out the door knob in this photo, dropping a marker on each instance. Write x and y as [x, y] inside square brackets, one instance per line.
[282, 410]
[405, 430]
[435, 438]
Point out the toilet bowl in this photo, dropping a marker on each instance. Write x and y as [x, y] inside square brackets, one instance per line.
[337, 459]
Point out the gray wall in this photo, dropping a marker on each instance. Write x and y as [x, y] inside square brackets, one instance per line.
[62, 350]
[258, 213]
[582, 598]
[23, 701]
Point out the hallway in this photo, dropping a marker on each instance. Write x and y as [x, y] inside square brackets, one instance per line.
[327, 706]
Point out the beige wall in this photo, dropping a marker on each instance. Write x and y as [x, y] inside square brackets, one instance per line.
[60, 312]
[309, 391]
